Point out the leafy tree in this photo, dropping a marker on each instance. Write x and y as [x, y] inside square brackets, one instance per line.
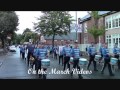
[8, 24]
[54, 23]
[96, 31]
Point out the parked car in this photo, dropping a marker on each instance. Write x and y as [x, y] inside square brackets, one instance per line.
[12, 48]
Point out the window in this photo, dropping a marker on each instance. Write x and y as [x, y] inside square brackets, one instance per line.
[113, 23]
[109, 24]
[119, 21]
[116, 22]
[106, 25]
[117, 40]
[85, 27]
[109, 41]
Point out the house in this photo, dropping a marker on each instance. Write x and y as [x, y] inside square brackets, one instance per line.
[87, 22]
[71, 37]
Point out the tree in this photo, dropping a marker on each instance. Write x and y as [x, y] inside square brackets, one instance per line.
[26, 30]
[96, 31]
[8, 24]
[54, 23]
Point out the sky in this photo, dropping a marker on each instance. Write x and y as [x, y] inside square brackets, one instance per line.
[26, 18]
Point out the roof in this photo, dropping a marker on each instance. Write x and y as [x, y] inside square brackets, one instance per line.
[69, 36]
[88, 16]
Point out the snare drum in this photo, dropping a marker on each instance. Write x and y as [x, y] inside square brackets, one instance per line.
[113, 61]
[83, 61]
[71, 60]
[45, 63]
[97, 57]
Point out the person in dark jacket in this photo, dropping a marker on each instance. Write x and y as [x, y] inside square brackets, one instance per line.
[30, 49]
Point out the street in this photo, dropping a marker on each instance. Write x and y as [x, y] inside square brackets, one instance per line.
[13, 67]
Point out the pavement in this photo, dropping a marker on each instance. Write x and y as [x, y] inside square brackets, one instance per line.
[13, 67]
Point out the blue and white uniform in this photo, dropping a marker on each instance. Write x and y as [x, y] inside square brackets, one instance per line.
[105, 53]
[116, 50]
[76, 53]
[67, 51]
[92, 50]
[42, 53]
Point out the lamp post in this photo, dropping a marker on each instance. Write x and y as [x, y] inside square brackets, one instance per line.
[76, 27]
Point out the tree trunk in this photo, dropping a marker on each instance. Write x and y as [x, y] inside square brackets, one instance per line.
[53, 40]
[3, 43]
[95, 40]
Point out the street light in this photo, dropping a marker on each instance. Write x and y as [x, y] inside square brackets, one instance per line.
[76, 27]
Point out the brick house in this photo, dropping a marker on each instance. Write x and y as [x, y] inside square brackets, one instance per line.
[87, 22]
[71, 37]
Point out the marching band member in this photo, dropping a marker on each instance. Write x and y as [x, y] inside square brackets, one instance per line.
[106, 56]
[42, 54]
[23, 51]
[76, 56]
[35, 56]
[67, 54]
[30, 49]
[116, 52]
[92, 52]
[100, 50]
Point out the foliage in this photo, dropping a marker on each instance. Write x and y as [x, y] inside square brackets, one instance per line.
[54, 23]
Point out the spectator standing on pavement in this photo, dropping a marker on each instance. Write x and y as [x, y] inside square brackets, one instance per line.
[116, 52]
[92, 52]
[67, 54]
[107, 57]
[76, 56]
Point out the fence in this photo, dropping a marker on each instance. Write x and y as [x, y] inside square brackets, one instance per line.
[83, 47]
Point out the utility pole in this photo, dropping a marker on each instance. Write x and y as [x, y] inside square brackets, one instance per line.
[76, 27]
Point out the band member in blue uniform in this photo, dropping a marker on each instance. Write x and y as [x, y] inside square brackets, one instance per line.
[76, 56]
[107, 57]
[42, 54]
[116, 52]
[67, 54]
[92, 52]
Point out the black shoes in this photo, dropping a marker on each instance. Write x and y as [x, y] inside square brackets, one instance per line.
[102, 72]
[80, 77]
[95, 70]
[112, 74]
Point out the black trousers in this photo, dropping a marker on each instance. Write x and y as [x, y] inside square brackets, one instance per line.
[76, 65]
[92, 57]
[107, 62]
[117, 56]
[55, 55]
[35, 63]
[66, 62]
[61, 58]
[28, 57]
[23, 55]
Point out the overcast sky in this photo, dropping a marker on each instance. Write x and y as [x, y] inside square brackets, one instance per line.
[26, 18]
